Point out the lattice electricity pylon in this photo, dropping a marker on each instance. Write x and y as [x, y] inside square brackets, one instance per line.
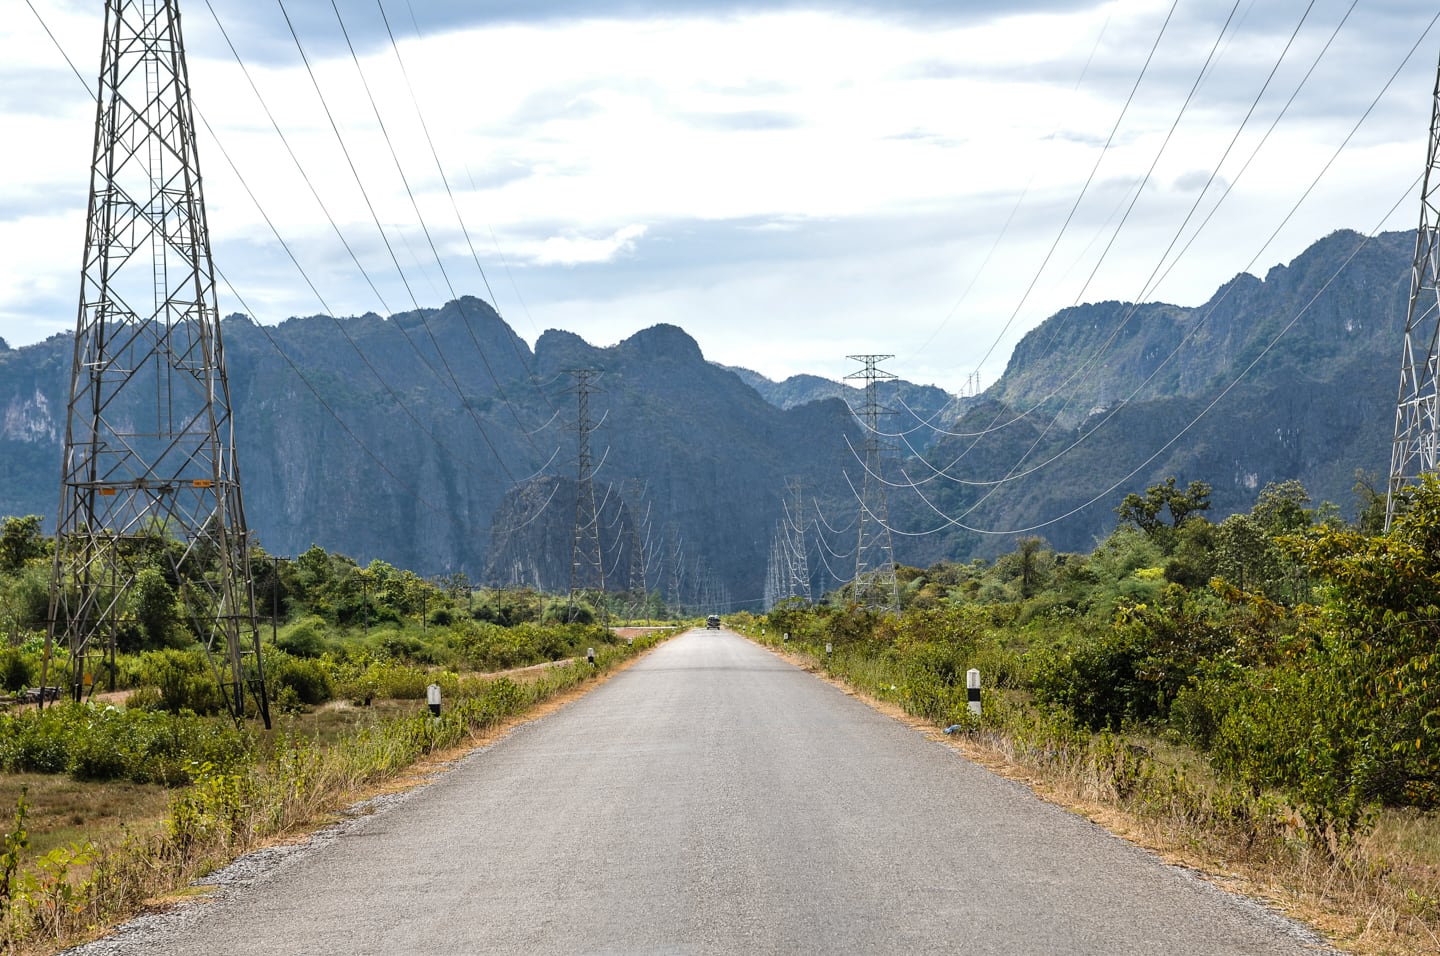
[875, 585]
[587, 568]
[777, 568]
[1417, 412]
[150, 507]
[799, 585]
[639, 537]
[676, 554]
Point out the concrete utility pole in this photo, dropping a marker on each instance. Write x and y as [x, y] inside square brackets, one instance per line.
[149, 479]
[587, 568]
[874, 586]
[1416, 450]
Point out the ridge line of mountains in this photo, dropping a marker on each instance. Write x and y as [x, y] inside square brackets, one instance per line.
[696, 456]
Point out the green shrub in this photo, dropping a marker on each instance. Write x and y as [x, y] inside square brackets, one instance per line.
[34, 741]
[105, 743]
[183, 680]
[16, 672]
[1099, 681]
[305, 638]
[401, 646]
[311, 682]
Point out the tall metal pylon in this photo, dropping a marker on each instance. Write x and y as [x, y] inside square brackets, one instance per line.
[587, 568]
[1416, 449]
[875, 585]
[676, 554]
[639, 540]
[777, 567]
[799, 585]
[149, 483]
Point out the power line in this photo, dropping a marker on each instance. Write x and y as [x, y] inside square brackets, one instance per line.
[943, 472]
[455, 205]
[385, 239]
[330, 312]
[953, 522]
[429, 239]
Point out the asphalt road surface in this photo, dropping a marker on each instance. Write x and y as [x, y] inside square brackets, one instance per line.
[714, 799]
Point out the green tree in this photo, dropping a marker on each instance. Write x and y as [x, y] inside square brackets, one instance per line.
[1192, 563]
[1247, 549]
[1378, 644]
[156, 609]
[1243, 553]
[1147, 512]
[21, 542]
[1029, 550]
[1369, 503]
[1281, 507]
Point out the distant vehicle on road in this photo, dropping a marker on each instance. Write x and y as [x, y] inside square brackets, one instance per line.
[713, 622]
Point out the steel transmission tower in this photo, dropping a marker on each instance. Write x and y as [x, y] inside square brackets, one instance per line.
[799, 585]
[639, 539]
[875, 585]
[587, 568]
[150, 490]
[1417, 417]
[677, 566]
[777, 568]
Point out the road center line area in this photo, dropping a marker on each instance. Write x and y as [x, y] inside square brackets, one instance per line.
[716, 799]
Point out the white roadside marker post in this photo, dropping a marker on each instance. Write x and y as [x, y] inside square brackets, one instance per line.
[432, 694]
[972, 690]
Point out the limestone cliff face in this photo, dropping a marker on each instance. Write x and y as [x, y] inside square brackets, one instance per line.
[418, 438]
[30, 418]
[1291, 377]
[1097, 355]
[430, 438]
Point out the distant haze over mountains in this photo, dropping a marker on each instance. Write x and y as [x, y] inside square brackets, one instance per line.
[384, 438]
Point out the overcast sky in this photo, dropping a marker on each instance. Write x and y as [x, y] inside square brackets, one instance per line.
[790, 182]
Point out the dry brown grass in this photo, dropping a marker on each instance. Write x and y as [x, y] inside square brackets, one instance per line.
[65, 811]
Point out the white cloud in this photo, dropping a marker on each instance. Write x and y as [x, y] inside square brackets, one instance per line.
[812, 180]
[577, 250]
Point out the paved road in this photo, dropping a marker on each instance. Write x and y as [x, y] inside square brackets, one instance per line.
[713, 799]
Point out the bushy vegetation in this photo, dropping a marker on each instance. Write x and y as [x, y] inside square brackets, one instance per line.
[1261, 692]
[1295, 653]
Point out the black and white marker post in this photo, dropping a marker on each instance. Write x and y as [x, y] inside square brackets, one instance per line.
[432, 694]
[972, 690]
